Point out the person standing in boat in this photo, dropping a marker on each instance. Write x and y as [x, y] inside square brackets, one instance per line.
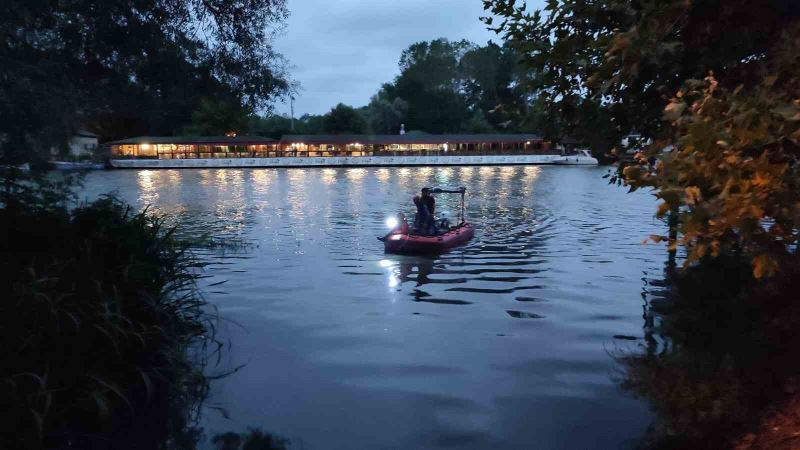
[426, 205]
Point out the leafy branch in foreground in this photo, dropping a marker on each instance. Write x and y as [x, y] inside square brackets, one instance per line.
[715, 85]
[734, 173]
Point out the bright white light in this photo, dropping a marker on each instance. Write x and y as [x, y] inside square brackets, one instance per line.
[392, 223]
[385, 263]
[393, 281]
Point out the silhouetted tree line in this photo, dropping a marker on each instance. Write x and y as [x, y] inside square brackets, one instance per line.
[453, 87]
[124, 67]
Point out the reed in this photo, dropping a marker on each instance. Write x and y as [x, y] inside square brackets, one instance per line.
[104, 332]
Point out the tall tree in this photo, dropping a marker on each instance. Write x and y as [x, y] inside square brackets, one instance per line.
[276, 126]
[218, 117]
[716, 81]
[430, 83]
[69, 64]
[491, 84]
[343, 119]
[385, 115]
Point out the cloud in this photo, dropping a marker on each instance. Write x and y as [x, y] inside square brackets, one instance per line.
[343, 50]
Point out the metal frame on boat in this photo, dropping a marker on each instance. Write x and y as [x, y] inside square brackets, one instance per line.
[405, 240]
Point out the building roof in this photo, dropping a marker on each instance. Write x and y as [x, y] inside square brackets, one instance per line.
[380, 139]
[84, 133]
[415, 138]
[567, 140]
[210, 140]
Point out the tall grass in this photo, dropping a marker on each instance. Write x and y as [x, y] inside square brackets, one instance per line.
[102, 327]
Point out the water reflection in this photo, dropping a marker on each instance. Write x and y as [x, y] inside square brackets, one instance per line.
[147, 187]
[469, 347]
[712, 358]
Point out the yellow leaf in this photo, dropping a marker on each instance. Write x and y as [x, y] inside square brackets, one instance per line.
[693, 195]
[760, 179]
[674, 110]
[764, 265]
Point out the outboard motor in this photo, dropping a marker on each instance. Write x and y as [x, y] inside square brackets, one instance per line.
[444, 223]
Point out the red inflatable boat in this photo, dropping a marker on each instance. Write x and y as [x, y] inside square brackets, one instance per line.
[406, 243]
[404, 240]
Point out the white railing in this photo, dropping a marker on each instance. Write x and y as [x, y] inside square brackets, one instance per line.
[344, 161]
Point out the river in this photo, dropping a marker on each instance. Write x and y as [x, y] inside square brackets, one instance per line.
[506, 342]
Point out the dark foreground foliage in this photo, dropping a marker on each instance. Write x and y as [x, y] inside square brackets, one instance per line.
[101, 324]
[254, 439]
[721, 356]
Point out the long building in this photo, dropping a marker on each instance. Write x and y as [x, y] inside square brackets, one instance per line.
[413, 149]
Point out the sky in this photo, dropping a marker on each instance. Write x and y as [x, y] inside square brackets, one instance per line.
[344, 50]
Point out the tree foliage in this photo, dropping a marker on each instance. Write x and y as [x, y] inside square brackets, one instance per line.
[123, 67]
[453, 87]
[714, 81]
[343, 119]
[275, 125]
[216, 118]
[385, 115]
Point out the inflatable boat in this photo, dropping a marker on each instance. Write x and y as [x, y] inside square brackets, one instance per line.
[403, 239]
[407, 243]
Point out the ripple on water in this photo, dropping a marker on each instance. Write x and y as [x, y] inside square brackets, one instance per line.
[473, 348]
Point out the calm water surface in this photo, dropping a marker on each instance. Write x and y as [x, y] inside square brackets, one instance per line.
[506, 342]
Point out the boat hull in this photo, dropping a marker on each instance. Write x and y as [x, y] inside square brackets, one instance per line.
[414, 244]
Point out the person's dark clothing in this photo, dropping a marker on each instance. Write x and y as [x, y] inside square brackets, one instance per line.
[424, 219]
[430, 203]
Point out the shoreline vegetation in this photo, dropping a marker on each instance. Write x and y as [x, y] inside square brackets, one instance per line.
[719, 365]
[106, 333]
[108, 338]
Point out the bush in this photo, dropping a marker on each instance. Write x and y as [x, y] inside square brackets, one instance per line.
[721, 354]
[99, 317]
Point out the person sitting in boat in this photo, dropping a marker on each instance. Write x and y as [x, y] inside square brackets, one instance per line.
[426, 206]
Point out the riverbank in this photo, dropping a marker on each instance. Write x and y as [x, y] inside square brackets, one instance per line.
[720, 367]
[103, 326]
[781, 430]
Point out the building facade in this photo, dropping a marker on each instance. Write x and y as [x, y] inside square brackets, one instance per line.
[333, 150]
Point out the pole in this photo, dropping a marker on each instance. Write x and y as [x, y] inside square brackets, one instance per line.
[462, 207]
[291, 108]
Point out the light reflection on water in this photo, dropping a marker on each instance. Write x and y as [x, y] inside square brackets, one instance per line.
[501, 343]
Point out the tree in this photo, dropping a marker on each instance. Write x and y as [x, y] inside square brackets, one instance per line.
[216, 118]
[430, 83]
[478, 124]
[725, 102]
[434, 64]
[343, 119]
[276, 126]
[384, 116]
[490, 83]
[122, 65]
